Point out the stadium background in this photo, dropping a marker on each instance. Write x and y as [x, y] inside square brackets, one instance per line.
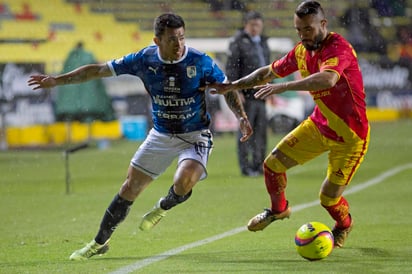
[37, 35]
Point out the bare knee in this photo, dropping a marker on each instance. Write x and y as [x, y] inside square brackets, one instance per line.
[331, 189]
[330, 193]
[187, 175]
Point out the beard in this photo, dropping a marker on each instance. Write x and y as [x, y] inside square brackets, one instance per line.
[317, 42]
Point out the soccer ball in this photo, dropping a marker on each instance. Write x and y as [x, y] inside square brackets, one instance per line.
[314, 241]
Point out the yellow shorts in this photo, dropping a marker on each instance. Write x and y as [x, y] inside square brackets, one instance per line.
[306, 142]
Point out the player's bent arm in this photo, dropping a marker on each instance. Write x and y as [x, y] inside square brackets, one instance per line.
[260, 76]
[234, 103]
[232, 99]
[83, 74]
[317, 81]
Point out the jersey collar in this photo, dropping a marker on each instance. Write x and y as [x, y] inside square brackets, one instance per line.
[172, 62]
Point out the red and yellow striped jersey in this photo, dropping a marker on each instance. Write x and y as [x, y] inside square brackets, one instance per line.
[340, 112]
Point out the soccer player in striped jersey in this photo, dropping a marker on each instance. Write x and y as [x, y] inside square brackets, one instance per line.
[338, 124]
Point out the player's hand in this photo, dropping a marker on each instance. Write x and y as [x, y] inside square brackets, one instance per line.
[41, 81]
[245, 129]
[268, 89]
[219, 88]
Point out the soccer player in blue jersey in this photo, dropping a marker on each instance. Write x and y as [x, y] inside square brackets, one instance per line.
[173, 75]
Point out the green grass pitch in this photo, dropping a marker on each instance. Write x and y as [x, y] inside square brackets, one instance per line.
[41, 225]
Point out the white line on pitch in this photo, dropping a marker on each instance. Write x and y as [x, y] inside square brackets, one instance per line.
[145, 262]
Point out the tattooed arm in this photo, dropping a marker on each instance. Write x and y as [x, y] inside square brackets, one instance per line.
[260, 76]
[233, 101]
[79, 75]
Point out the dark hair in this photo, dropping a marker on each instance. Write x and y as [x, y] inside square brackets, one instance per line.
[167, 20]
[309, 8]
[251, 15]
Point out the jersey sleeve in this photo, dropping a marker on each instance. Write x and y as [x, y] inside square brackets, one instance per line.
[285, 65]
[212, 72]
[128, 64]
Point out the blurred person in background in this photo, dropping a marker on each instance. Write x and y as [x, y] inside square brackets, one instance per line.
[338, 124]
[249, 50]
[362, 35]
[404, 48]
[72, 102]
[173, 75]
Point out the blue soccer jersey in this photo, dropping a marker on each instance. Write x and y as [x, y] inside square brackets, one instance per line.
[178, 106]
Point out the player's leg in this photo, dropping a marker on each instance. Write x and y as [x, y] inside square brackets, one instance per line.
[193, 157]
[187, 175]
[338, 208]
[344, 161]
[298, 147]
[116, 212]
[141, 172]
[275, 180]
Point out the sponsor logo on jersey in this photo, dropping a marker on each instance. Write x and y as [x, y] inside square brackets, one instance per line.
[320, 93]
[170, 85]
[172, 116]
[173, 102]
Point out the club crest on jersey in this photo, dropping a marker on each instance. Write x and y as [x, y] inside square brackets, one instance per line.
[191, 71]
[331, 62]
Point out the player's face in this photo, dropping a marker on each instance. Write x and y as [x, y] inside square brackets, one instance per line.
[254, 27]
[311, 30]
[171, 44]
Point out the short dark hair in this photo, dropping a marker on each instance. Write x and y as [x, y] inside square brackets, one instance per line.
[167, 20]
[309, 8]
[251, 15]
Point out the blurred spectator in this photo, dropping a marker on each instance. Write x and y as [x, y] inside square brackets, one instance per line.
[389, 7]
[219, 5]
[215, 5]
[363, 36]
[404, 34]
[249, 50]
[78, 55]
[403, 48]
[238, 5]
[72, 103]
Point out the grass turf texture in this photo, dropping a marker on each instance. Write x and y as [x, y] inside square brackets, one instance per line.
[41, 225]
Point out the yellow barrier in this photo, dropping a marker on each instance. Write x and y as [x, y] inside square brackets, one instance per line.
[61, 133]
[34, 136]
[106, 130]
[382, 115]
[57, 133]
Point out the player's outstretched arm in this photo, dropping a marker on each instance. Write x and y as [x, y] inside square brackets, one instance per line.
[317, 81]
[260, 76]
[79, 75]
